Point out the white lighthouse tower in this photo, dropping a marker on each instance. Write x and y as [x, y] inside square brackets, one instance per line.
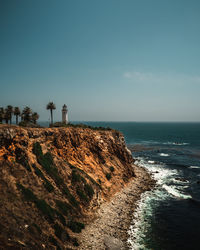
[65, 114]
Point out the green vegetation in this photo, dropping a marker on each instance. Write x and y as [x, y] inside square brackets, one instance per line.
[75, 226]
[29, 124]
[27, 193]
[46, 161]
[61, 217]
[75, 177]
[51, 106]
[64, 207]
[108, 176]
[35, 117]
[47, 184]
[38, 171]
[37, 150]
[45, 209]
[80, 125]
[61, 233]
[81, 194]
[54, 242]
[28, 118]
[58, 230]
[89, 190]
[22, 159]
[70, 197]
[112, 169]
[17, 113]
[75, 242]
[83, 189]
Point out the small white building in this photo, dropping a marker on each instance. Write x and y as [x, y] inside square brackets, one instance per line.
[65, 114]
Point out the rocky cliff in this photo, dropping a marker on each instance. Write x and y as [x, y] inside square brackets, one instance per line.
[52, 180]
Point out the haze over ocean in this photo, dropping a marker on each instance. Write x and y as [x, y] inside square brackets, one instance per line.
[109, 60]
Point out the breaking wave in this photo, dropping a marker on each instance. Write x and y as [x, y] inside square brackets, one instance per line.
[139, 235]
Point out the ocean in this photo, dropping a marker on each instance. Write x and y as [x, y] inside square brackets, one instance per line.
[167, 217]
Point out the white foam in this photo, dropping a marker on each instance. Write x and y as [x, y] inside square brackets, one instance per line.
[151, 162]
[151, 199]
[159, 172]
[163, 154]
[173, 191]
[180, 144]
[176, 143]
[194, 167]
[180, 181]
[142, 218]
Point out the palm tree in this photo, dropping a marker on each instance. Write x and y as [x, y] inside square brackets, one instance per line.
[51, 106]
[17, 112]
[7, 115]
[35, 117]
[26, 114]
[1, 114]
[10, 112]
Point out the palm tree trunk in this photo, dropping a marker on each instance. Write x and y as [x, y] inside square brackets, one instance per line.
[17, 119]
[51, 116]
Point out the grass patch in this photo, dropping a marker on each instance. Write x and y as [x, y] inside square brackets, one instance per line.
[108, 176]
[112, 169]
[76, 226]
[46, 161]
[24, 162]
[54, 242]
[81, 194]
[75, 177]
[75, 242]
[70, 197]
[27, 193]
[38, 172]
[80, 125]
[61, 218]
[47, 210]
[61, 233]
[37, 150]
[89, 190]
[58, 230]
[64, 207]
[48, 186]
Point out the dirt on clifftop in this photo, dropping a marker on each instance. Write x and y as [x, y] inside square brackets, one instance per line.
[53, 179]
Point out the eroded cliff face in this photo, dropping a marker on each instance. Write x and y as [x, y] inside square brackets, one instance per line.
[52, 180]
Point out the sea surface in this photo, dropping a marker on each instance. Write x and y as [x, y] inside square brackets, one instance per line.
[168, 217]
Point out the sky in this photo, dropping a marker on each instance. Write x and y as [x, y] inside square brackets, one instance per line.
[107, 60]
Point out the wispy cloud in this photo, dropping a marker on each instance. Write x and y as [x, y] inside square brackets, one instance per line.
[160, 78]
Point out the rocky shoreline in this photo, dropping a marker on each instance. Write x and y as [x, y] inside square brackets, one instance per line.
[113, 218]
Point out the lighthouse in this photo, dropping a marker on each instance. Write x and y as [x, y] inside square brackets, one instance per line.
[64, 114]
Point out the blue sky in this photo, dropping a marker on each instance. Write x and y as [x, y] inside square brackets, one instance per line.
[109, 60]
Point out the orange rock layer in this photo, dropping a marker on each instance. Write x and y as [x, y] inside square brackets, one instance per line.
[98, 159]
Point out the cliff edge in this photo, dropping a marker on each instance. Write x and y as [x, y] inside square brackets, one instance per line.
[53, 179]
